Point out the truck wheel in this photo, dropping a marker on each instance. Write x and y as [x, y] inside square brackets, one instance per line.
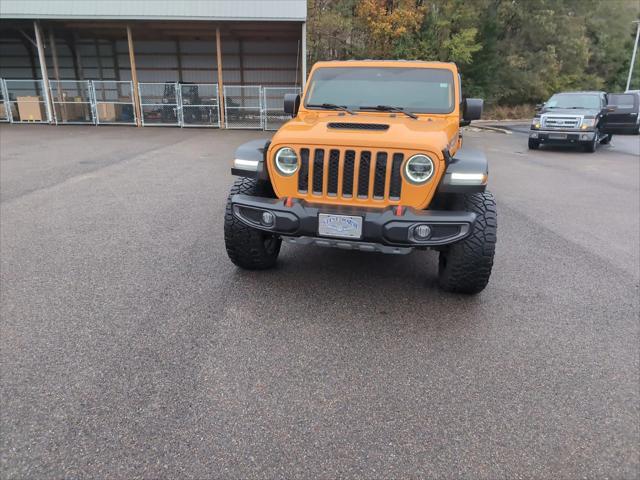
[593, 144]
[465, 267]
[248, 247]
[534, 144]
[606, 140]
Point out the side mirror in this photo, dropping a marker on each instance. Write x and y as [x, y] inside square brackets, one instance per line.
[291, 103]
[539, 107]
[472, 109]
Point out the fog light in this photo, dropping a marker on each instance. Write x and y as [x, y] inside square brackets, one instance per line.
[267, 219]
[534, 135]
[584, 137]
[422, 232]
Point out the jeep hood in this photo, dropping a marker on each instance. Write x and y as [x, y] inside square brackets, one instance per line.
[427, 133]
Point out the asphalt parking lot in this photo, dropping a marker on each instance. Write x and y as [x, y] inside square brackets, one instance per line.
[132, 348]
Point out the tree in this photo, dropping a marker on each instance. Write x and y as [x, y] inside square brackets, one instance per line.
[388, 22]
[508, 51]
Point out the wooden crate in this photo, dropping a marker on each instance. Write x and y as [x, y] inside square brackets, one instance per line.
[29, 109]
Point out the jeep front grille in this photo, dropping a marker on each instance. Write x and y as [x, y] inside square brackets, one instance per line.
[560, 121]
[350, 173]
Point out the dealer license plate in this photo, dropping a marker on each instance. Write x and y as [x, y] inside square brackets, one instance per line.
[346, 226]
[557, 136]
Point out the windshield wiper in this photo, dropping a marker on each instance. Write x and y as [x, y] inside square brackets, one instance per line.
[390, 108]
[332, 106]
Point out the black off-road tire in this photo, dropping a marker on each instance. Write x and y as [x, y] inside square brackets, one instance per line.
[465, 267]
[248, 247]
[534, 144]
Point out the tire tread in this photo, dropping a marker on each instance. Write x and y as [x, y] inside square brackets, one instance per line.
[469, 262]
[245, 245]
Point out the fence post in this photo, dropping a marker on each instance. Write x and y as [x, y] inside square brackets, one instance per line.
[220, 83]
[134, 78]
[263, 113]
[179, 112]
[56, 72]
[94, 102]
[43, 69]
[5, 100]
[304, 54]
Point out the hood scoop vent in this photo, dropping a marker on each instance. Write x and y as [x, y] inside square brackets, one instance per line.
[358, 126]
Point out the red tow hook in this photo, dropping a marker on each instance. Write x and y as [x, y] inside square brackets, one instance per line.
[399, 211]
[288, 202]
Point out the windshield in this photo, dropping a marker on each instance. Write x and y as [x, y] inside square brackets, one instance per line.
[418, 90]
[574, 100]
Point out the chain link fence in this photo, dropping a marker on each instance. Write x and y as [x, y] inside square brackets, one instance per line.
[243, 106]
[72, 101]
[273, 103]
[111, 102]
[4, 104]
[114, 102]
[26, 101]
[159, 104]
[200, 107]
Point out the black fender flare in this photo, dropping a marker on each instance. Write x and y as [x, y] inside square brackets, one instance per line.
[466, 160]
[249, 159]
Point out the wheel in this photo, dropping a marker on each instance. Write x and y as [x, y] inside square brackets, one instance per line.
[593, 144]
[465, 267]
[534, 144]
[249, 247]
[607, 139]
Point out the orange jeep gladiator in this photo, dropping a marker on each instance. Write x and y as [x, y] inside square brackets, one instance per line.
[372, 160]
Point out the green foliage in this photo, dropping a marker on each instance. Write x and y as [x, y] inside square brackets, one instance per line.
[509, 51]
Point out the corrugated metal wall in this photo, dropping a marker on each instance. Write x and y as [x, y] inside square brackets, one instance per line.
[270, 63]
[262, 57]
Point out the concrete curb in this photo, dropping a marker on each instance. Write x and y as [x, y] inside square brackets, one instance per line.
[490, 128]
[505, 121]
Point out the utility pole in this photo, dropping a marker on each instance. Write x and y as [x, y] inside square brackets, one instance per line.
[633, 56]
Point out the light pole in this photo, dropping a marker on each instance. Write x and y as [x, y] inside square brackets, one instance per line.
[633, 56]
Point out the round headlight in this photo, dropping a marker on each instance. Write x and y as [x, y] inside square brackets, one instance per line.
[419, 169]
[286, 161]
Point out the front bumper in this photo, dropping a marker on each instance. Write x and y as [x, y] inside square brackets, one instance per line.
[297, 221]
[562, 136]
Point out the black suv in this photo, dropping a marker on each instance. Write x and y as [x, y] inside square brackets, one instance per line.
[567, 118]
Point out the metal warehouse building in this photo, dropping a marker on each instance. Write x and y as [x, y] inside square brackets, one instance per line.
[213, 63]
